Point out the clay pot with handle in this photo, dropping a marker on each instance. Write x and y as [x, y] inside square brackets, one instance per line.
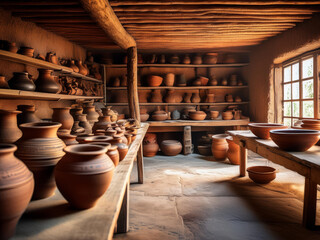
[21, 81]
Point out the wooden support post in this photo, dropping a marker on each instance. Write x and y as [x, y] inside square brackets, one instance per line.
[309, 204]
[133, 99]
[243, 161]
[123, 219]
[140, 164]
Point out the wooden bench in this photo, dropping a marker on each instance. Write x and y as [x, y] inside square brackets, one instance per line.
[52, 218]
[306, 164]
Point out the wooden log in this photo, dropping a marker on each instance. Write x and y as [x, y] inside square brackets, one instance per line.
[101, 11]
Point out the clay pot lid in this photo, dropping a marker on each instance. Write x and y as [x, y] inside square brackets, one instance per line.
[31, 108]
[42, 125]
[220, 136]
[170, 142]
[106, 145]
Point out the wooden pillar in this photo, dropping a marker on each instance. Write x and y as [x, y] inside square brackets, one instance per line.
[243, 161]
[132, 71]
[309, 203]
[123, 219]
[140, 164]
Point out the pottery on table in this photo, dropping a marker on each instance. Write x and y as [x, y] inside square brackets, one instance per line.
[103, 123]
[169, 80]
[262, 130]
[154, 81]
[107, 111]
[214, 115]
[195, 98]
[16, 188]
[84, 174]
[170, 147]
[128, 137]
[99, 138]
[122, 149]
[63, 116]
[27, 114]
[156, 96]
[73, 66]
[197, 59]
[112, 151]
[68, 139]
[237, 114]
[27, 51]
[205, 150]
[210, 58]
[159, 115]
[82, 69]
[261, 174]
[9, 131]
[46, 82]
[296, 140]
[3, 82]
[233, 153]
[219, 146]
[40, 149]
[150, 146]
[197, 115]
[227, 115]
[21, 81]
[92, 115]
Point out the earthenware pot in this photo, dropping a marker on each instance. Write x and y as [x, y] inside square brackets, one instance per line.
[154, 81]
[187, 97]
[83, 122]
[196, 82]
[224, 82]
[195, 97]
[3, 82]
[210, 58]
[170, 96]
[181, 81]
[74, 111]
[186, 110]
[103, 123]
[63, 116]
[99, 138]
[174, 59]
[197, 59]
[233, 80]
[9, 131]
[114, 155]
[210, 98]
[84, 174]
[203, 80]
[171, 147]
[52, 57]
[27, 114]
[128, 137]
[82, 69]
[159, 115]
[233, 153]
[92, 115]
[219, 146]
[150, 145]
[262, 130]
[123, 81]
[214, 115]
[73, 66]
[186, 59]
[156, 96]
[12, 47]
[197, 115]
[122, 149]
[108, 112]
[27, 51]
[46, 82]
[68, 139]
[229, 98]
[205, 150]
[144, 116]
[21, 81]
[40, 149]
[261, 174]
[213, 81]
[169, 80]
[175, 115]
[16, 188]
[238, 99]
[162, 59]
[227, 115]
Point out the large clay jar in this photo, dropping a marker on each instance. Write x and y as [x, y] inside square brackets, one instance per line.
[144, 116]
[108, 112]
[83, 122]
[68, 139]
[195, 97]
[46, 82]
[150, 146]
[156, 96]
[171, 147]
[40, 149]
[3, 82]
[92, 115]
[21, 81]
[63, 116]
[169, 80]
[122, 149]
[9, 131]
[82, 69]
[16, 188]
[103, 123]
[170, 97]
[159, 115]
[27, 114]
[233, 152]
[84, 174]
[219, 146]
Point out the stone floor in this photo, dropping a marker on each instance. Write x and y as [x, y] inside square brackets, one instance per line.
[190, 197]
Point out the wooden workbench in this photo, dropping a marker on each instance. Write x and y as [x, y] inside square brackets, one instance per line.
[52, 218]
[306, 164]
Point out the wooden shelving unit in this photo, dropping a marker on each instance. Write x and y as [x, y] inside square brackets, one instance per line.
[204, 123]
[180, 65]
[181, 88]
[182, 104]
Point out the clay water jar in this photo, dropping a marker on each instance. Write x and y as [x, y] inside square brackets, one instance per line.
[81, 137]
[16, 188]
[214, 115]
[27, 114]
[144, 116]
[169, 79]
[110, 132]
[159, 115]
[210, 58]
[63, 116]
[76, 129]
[262, 130]
[82, 69]
[103, 123]
[150, 146]
[3, 82]
[195, 97]
[233, 153]
[92, 115]
[156, 96]
[261, 174]
[219, 146]
[9, 131]
[40, 149]
[46, 82]
[112, 151]
[154, 81]
[84, 174]
[68, 139]
[205, 150]
[197, 115]
[21, 81]
[171, 147]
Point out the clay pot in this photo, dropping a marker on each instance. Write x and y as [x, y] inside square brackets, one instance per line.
[171, 147]
[9, 131]
[210, 98]
[186, 59]
[46, 82]
[16, 188]
[83, 122]
[108, 112]
[175, 115]
[27, 51]
[204, 80]
[156, 96]
[213, 81]
[74, 111]
[210, 58]
[92, 115]
[238, 99]
[110, 132]
[205, 150]
[236, 114]
[3, 82]
[197, 82]
[144, 116]
[224, 82]
[27, 114]
[169, 80]
[82, 69]
[197, 59]
[114, 155]
[103, 123]
[233, 153]
[68, 139]
[52, 57]
[150, 145]
[73, 66]
[227, 115]
[116, 82]
[262, 130]
[143, 96]
[21, 81]
[162, 59]
[174, 59]
[261, 174]
[187, 97]
[197, 115]
[128, 137]
[219, 146]
[170, 97]
[154, 81]
[12, 47]
[186, 110]
[99, 138]
[214, 115]
[181, 80]
[84, 174]
[229, 98]
[40, 149]
[233, 80]
[159, 115]
[195, 97]
[63, 116]
[122, 149]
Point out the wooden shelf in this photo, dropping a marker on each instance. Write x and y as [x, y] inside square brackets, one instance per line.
[18, 94]
[19, 58]
[181, 88]
[181, 104]
[180, 65]
[205, 123]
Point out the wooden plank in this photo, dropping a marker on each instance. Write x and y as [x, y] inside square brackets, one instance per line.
[183, 104]
[309, 204]
[180, 88]
[123, 219]
[205, 123]
[218, 65]
[140, 165]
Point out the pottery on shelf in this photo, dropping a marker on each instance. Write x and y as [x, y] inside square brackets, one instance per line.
[262, 130]
[197, 115]
[27, 51]
[197, 59]
[103, 123]
[224, 82]
[3, 82]
[213, 81]
[82, 69]
[12, 47]
[175, 115]
[180, 81]
[84, 174]
[238, 99]
[40, 149]
[185, 112]
[169, 80]
[73, 66]
[63, 116]
[27, 114]
[261, 174]
[204, 80]
[170, 147]
[214, 115]
[9, 131]
[92, 115]
[150, 146]
[174, 59]
[52, 57]
[159, 115]
[210, 58]
[229, 98]
[16, 188]
[170, 96]
[154, 81]
[210, 98]
[227, 115]
[46, 82]
[21, 81]
[233, 80]
[233, 153]
[107, 111]
[186, 59]
[196, 82]
[156, 96]
[205, 150]
[195, 98]
[123, 81]
[162, 59]
[74, 111]
[187, 97]
[144, 116]
[219, 146]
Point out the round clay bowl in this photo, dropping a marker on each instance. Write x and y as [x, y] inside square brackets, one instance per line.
[261, 174]
[296, 140]
[227, 115]
[261, 130]
[171, 147]
[154, 81]
[205, 150]
[197, 115]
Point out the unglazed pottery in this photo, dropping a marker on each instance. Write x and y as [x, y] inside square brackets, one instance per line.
[238, 99]
[214, 115]
[98, 138]
[187, 97]
[219, 146]
[68, 139]
[156, 96]
[213, 81]
[3, 82]
[16, 188]
[107, 111]
[84, 174]
[197, 115]
[9, 131]
[159, 115]
[174, 59]
[224, 82]
[197, 59]
[261, 174]
[40, 149]
[92, 115]
[233, 80]
[186, 59]
[122, 149]
[74, 111]
[228, 115]
[21, 81]
[150, 146]
[154, 81]
[204, 80]
[233, 153]
[76, 129]
[229, 98]
[46, 82]
[27, 114]
[114, 155]
[63, 116]
[210, 58]
[170, 96]
[27, 51]
[83, 122]
[195, 97]
[262, 130]
[205, 150]
[180, 81]
[171, 147]
[103, 123]
[169, 80]
[210, 98]
[144, 116]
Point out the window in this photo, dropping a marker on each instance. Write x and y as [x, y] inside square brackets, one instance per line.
[298, 90]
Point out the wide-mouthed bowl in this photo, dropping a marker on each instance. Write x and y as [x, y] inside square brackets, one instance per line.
[261, 174]
[261, 130]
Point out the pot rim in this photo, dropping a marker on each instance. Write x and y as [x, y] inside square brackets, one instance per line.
[42, 125]
[253, 169]
[106, 145]
[265, 125]
[300, 132]
[61, 108]
[7, 147]
[85, 149]
[103, 138]
[220, 136]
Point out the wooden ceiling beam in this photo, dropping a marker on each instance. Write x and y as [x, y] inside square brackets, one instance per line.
[215, 20]
[38, 2]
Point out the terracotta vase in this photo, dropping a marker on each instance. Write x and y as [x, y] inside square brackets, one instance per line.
[110, 132]
[107, 111]
[195, 97]
[169, 79]
[74, 111]
[122, 149]
[99, 138]
[197, 59]
[92, 115]
[63, 116]
[40, 149]
[238, 99]
[21, 81]
[3, 82]
[73, 66]
[68, 139]
[228, 115]
[84, 174]
[156, 96]
[82, 69]
[83, 122]
[52, 57]
[16, 188]
[196, 82]
[214, 115]
[186, 110]
[46, 82]
[219, 146]
[150, 145]
[187, 97]
[9, 131]
[204, 80]
[103, 123]
[233, 152]
[128, 137]
[170, 96]
[144, 116]
[27, 114]
[171, 147]
[210, 98]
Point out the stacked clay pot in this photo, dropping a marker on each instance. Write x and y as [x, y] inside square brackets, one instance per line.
[219, 146]
[233, 153]
[9, 131]
[150, 145]
[171, 147]
[63, 116]
[27, 114]
[16, 188]
[84, 174]
[40, 149]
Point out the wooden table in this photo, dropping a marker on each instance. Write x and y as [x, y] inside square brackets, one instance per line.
[52, 218]
[306, 164]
